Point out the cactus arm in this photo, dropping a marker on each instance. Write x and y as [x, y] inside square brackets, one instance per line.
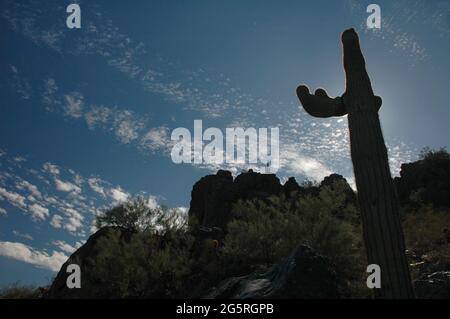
[320, 104]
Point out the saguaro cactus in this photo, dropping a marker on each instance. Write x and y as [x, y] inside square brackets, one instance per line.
[383, 235]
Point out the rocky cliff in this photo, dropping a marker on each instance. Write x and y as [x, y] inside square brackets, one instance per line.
[213, 196]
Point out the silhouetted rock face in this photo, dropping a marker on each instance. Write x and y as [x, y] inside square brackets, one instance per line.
[435, 286]
[291, 187]
[84, 257]
[426, 180]
[255, 185]
[338, 183]
[303, 275]
[213, 196]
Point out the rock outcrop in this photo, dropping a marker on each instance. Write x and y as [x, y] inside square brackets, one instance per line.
[425, 180]
[303, 275]
[339, 184]
[84, 257]
[213, 196]
[211, 200]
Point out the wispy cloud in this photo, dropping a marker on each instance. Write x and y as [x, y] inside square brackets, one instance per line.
[398, 15]
[32, 189]
[19, 83]
[60, 196]
[197, 91]
[51, 168]
[73, 220]
[22, 235]
[56, 221]
[66, 187]
[65, 247]
[38, 212]
[157, 139]
[118, 195]
[13, 198]
[27, 254]
[95, 185]
[73, 104]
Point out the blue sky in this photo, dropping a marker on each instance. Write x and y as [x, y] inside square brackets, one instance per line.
[86, 114]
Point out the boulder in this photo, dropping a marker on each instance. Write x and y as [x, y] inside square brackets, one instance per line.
[303, 275]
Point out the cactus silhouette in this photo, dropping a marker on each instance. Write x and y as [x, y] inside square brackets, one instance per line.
[383, 235]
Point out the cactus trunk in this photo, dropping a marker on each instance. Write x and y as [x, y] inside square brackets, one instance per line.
[383, 235]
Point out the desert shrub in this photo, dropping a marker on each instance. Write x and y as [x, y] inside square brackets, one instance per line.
[150, 257]
[142, 266]
[17, 291]
[426, 229]
[427, 237]
[266, 231]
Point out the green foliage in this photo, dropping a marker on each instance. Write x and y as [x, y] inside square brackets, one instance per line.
[147, 256]
[427, 235]
[426, 229]
[266, 231]
[144, 265]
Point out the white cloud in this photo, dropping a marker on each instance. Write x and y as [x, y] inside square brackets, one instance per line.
[38, 212]
[118, 195]
[20, 84]
[124, 123]
[3, 212]
[67, 187]
[98, 116]
[65, 247]
[156, 139]
[152, 202]
[78, 179]
[127, 126]
[74, 220]
[294, 162]
[19, 234]
[27, 254]
[394, 20]
[56, 221]
[20, 159]
[94, 184]
[182, 210]
[48, 96]
[74, 104]
[23, 184]
[14, 198]
[51, 168]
